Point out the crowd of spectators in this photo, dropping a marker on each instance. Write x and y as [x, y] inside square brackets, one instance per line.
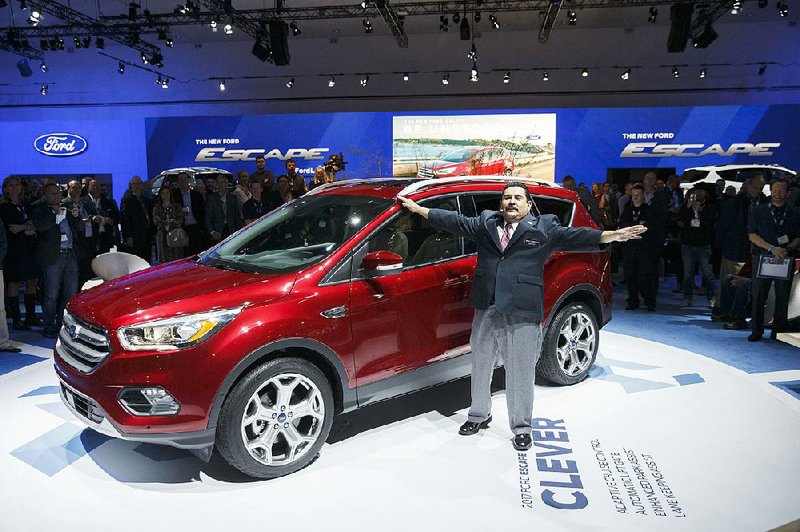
[711, 232]
[52, 231]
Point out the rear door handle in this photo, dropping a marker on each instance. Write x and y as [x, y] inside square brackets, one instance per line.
[335, 312]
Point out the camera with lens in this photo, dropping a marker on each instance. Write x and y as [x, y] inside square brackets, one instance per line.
[335, 163]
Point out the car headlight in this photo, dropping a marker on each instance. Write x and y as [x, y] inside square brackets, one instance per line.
[175, 333]
[445, 171]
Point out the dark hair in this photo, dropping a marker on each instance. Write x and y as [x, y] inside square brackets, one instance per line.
[51, 185]
[518, 184]
[638, 186]
[778, 180]
[261, 157]
[290, 160]
[165, 187]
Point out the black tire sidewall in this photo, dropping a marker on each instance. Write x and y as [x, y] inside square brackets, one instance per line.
[548, 366]
[229, 440]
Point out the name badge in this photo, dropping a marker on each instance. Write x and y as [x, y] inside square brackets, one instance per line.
[64, 238]
[530, 242]
[783, 240]
[695, 222]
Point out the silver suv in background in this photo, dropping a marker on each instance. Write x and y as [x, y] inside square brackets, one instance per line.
[196, 173]
[733, 174]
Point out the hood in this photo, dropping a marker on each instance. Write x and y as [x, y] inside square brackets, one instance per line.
[181, 287]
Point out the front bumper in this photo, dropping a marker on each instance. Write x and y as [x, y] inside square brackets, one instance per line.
[89, 411]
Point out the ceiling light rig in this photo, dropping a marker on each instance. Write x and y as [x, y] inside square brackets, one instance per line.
[405, 77]
[703, 73]
[213, 25]
[222, 86]
[443, 21]
[653, 17]
[626, 75]
[477, 16]
[585, 73]
[783, 9]
[121, 68]
[473, 74]
[736, 7]
[507, 78]
[367, 25]
[35, 17]
[43, 67]
[572, 17]
[331, 82]
[493, 21]
[472, 55]
[364, 81]
[295, 29]
[446, 79]
[675, 72]
[545, 76]
[290, 83]
[762, 69]
[43, 90]
[228, 29]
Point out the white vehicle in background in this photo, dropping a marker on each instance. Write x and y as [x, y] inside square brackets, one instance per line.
[733, 174]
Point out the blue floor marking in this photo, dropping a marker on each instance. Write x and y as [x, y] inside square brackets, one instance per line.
[44, 390]
[692, 329]
[688, 378]
[13, 361]
[792, 387]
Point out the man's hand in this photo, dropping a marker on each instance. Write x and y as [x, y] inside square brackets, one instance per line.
[633, 232]
[780, 252]
[413, 207]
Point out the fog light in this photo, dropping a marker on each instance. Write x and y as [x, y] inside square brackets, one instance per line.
[152, 401]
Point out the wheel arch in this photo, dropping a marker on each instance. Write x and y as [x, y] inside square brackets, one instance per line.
[316, 353]
[581, 293]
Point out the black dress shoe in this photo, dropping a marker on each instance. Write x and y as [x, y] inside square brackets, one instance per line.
[11, 349]
[754, 337]
[737, 325]
[522, 442]
[19, 326]
[470, 427]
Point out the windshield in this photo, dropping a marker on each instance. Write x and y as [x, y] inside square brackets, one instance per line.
[459, 156]
[297, 235]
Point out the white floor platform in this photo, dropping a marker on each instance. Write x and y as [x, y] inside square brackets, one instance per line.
[657, 439]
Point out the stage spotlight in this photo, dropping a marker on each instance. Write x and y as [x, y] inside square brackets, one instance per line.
[364, 4]
[367, 25]
[585, 73]
[364, 81]
[170, 43]
[121, 67]
[783, 9]
[222, 85]
[44, 45]
[493, 20]
[165, 83]
[100, 43]
[446, 79]
[705, 38]
[331, 82]
[477, 16]
[405, 76]
[43, 67]
[77, 41]
[762, 69]
[295, 30]
[228, 29]
[736, 7]
[763, 3]
[213, 25]
[572, 17]
[653, 15]
[473, 74]
[473, 53]
[23, 5]
[35, 17]
[675, 73]
[43, 90]
[24, 68]
[507, 78]
[627, 74]
[545, 76]
[443, 21]
[702, 73]
[87, 41]
[290, 83]
[133, 7]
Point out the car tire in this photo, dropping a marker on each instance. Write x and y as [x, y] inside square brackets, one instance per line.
[275, 419]
[570, 345]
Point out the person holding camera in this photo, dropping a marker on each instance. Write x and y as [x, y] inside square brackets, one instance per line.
[696, 221]
[61, 244]
[774, 228]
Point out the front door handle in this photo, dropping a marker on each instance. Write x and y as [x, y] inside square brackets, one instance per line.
[335, 312]
[455, 281]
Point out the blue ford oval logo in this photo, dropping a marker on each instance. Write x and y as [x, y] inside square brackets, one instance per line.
[281, 417]
[60, 144]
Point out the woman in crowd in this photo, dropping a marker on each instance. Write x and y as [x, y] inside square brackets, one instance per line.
[20, 262]
[320, 178]
[166, 217]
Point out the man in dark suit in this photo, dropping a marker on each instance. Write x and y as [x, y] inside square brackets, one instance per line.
[59, 246]
[194, 211]
[105, 217]
[508, 295]
[223, 216]
[137, 214]
[776, 229]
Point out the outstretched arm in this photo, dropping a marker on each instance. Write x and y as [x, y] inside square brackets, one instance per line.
[413, 207]
[633, 232]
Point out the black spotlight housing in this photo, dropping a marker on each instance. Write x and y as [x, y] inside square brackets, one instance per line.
[24, 68]
[705, 37]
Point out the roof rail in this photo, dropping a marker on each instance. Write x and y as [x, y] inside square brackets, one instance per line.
[410, 189]
[343, 183]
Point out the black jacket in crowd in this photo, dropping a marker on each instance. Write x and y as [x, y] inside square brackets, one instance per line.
[48, 244]
[697, 236]
[731, 231]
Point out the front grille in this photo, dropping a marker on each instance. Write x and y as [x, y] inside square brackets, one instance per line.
[426, 173]
[84, 406]
[80, 344]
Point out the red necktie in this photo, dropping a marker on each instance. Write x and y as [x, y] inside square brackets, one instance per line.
[506, 237]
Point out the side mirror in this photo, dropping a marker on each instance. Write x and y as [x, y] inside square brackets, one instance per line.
[381, 264]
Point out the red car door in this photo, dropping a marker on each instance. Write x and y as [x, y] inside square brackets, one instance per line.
[409, 319]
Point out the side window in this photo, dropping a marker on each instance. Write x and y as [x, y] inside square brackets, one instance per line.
[747, 173]
[413, 238]
[730, 175]
[483, 202]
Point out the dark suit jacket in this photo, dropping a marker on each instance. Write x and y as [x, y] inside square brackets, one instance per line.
[137, 217]
[108, 208]
[49, 235]
[731, 230]
[514, 278]
[198, 205]
[217, 219]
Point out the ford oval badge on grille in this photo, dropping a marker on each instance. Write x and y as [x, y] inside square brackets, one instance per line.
[73, 331]
[60, 144]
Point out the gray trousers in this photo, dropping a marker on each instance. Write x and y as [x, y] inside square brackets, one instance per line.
[518, 343]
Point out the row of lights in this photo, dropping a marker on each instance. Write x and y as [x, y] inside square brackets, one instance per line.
[783, 9]
[444, 20]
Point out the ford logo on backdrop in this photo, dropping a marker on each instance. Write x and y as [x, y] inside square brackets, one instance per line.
[60, 144]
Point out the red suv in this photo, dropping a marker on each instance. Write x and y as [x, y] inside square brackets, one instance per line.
[472, 160]
[334, 301]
